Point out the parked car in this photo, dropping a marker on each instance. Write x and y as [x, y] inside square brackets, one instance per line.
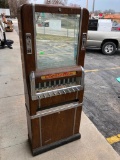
[93, 24]
[101, 37]
[108, 42]
[116, 27]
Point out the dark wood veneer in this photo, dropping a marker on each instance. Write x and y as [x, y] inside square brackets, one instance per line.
[58, 127]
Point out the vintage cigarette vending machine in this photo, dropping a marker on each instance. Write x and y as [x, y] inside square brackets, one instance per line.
[53, 42]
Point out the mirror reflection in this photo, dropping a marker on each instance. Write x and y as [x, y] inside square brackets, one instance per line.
[56, 39]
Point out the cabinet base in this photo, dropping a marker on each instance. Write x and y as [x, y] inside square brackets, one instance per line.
[55, 144]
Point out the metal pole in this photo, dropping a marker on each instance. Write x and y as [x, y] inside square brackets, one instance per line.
[87, 4]
[93, 6]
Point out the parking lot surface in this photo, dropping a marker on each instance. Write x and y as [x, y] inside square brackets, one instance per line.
[101, 102]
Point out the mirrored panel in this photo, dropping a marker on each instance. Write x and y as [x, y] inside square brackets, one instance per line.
[56, 40]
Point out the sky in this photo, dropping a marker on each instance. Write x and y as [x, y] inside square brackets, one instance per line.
[99, 4]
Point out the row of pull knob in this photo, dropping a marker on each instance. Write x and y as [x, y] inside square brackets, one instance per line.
[56, 83]
[56, 92]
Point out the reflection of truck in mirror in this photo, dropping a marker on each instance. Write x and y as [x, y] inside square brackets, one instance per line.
[100, 36]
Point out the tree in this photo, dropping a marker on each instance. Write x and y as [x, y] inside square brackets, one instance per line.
[14, 4]
[96, 13]
[109, 11]
[4, 4]
[56, 2]
[74, 5]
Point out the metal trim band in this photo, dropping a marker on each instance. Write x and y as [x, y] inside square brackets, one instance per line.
[77, 87]
[81, 17]
[55, 110]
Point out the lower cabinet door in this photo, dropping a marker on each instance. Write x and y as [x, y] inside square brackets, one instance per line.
[57, 126]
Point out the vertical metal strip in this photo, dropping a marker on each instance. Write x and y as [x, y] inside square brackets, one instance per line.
[77, 95]
[81, 17]
[40, 125]
[32, 84]
[39, 104]
[83, 76]
[34, 27]
[29, 123]
[74, 121]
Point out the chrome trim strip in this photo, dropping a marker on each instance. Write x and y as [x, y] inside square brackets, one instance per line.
[32, 83]
[39, 104]
[63, 81]
[81, 17]
[49, 94]
[40, 86]
[84, 41]
[28, 114]
[59, 82]
[64, 91]
[77, 95]
[54, 82]
[56, 109]
[83, 76]
[78, 87]
[49, 83]
[45, 85]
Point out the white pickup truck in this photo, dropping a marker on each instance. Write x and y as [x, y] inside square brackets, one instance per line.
[108, 42]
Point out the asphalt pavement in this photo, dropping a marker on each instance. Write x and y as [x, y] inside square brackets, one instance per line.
[101, 102]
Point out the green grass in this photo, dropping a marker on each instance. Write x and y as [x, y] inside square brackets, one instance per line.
[53, 37]
[68, 24]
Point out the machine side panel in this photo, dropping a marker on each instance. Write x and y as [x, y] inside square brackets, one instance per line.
[35, 126]
[83, 29]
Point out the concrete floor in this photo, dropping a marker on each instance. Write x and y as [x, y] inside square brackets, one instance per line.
[13, 127]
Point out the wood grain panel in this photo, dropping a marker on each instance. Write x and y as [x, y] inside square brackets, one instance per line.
[57, 9]
[78, 120]
[35, 133]
[58, 99]
[57, 126]
[80, 96]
